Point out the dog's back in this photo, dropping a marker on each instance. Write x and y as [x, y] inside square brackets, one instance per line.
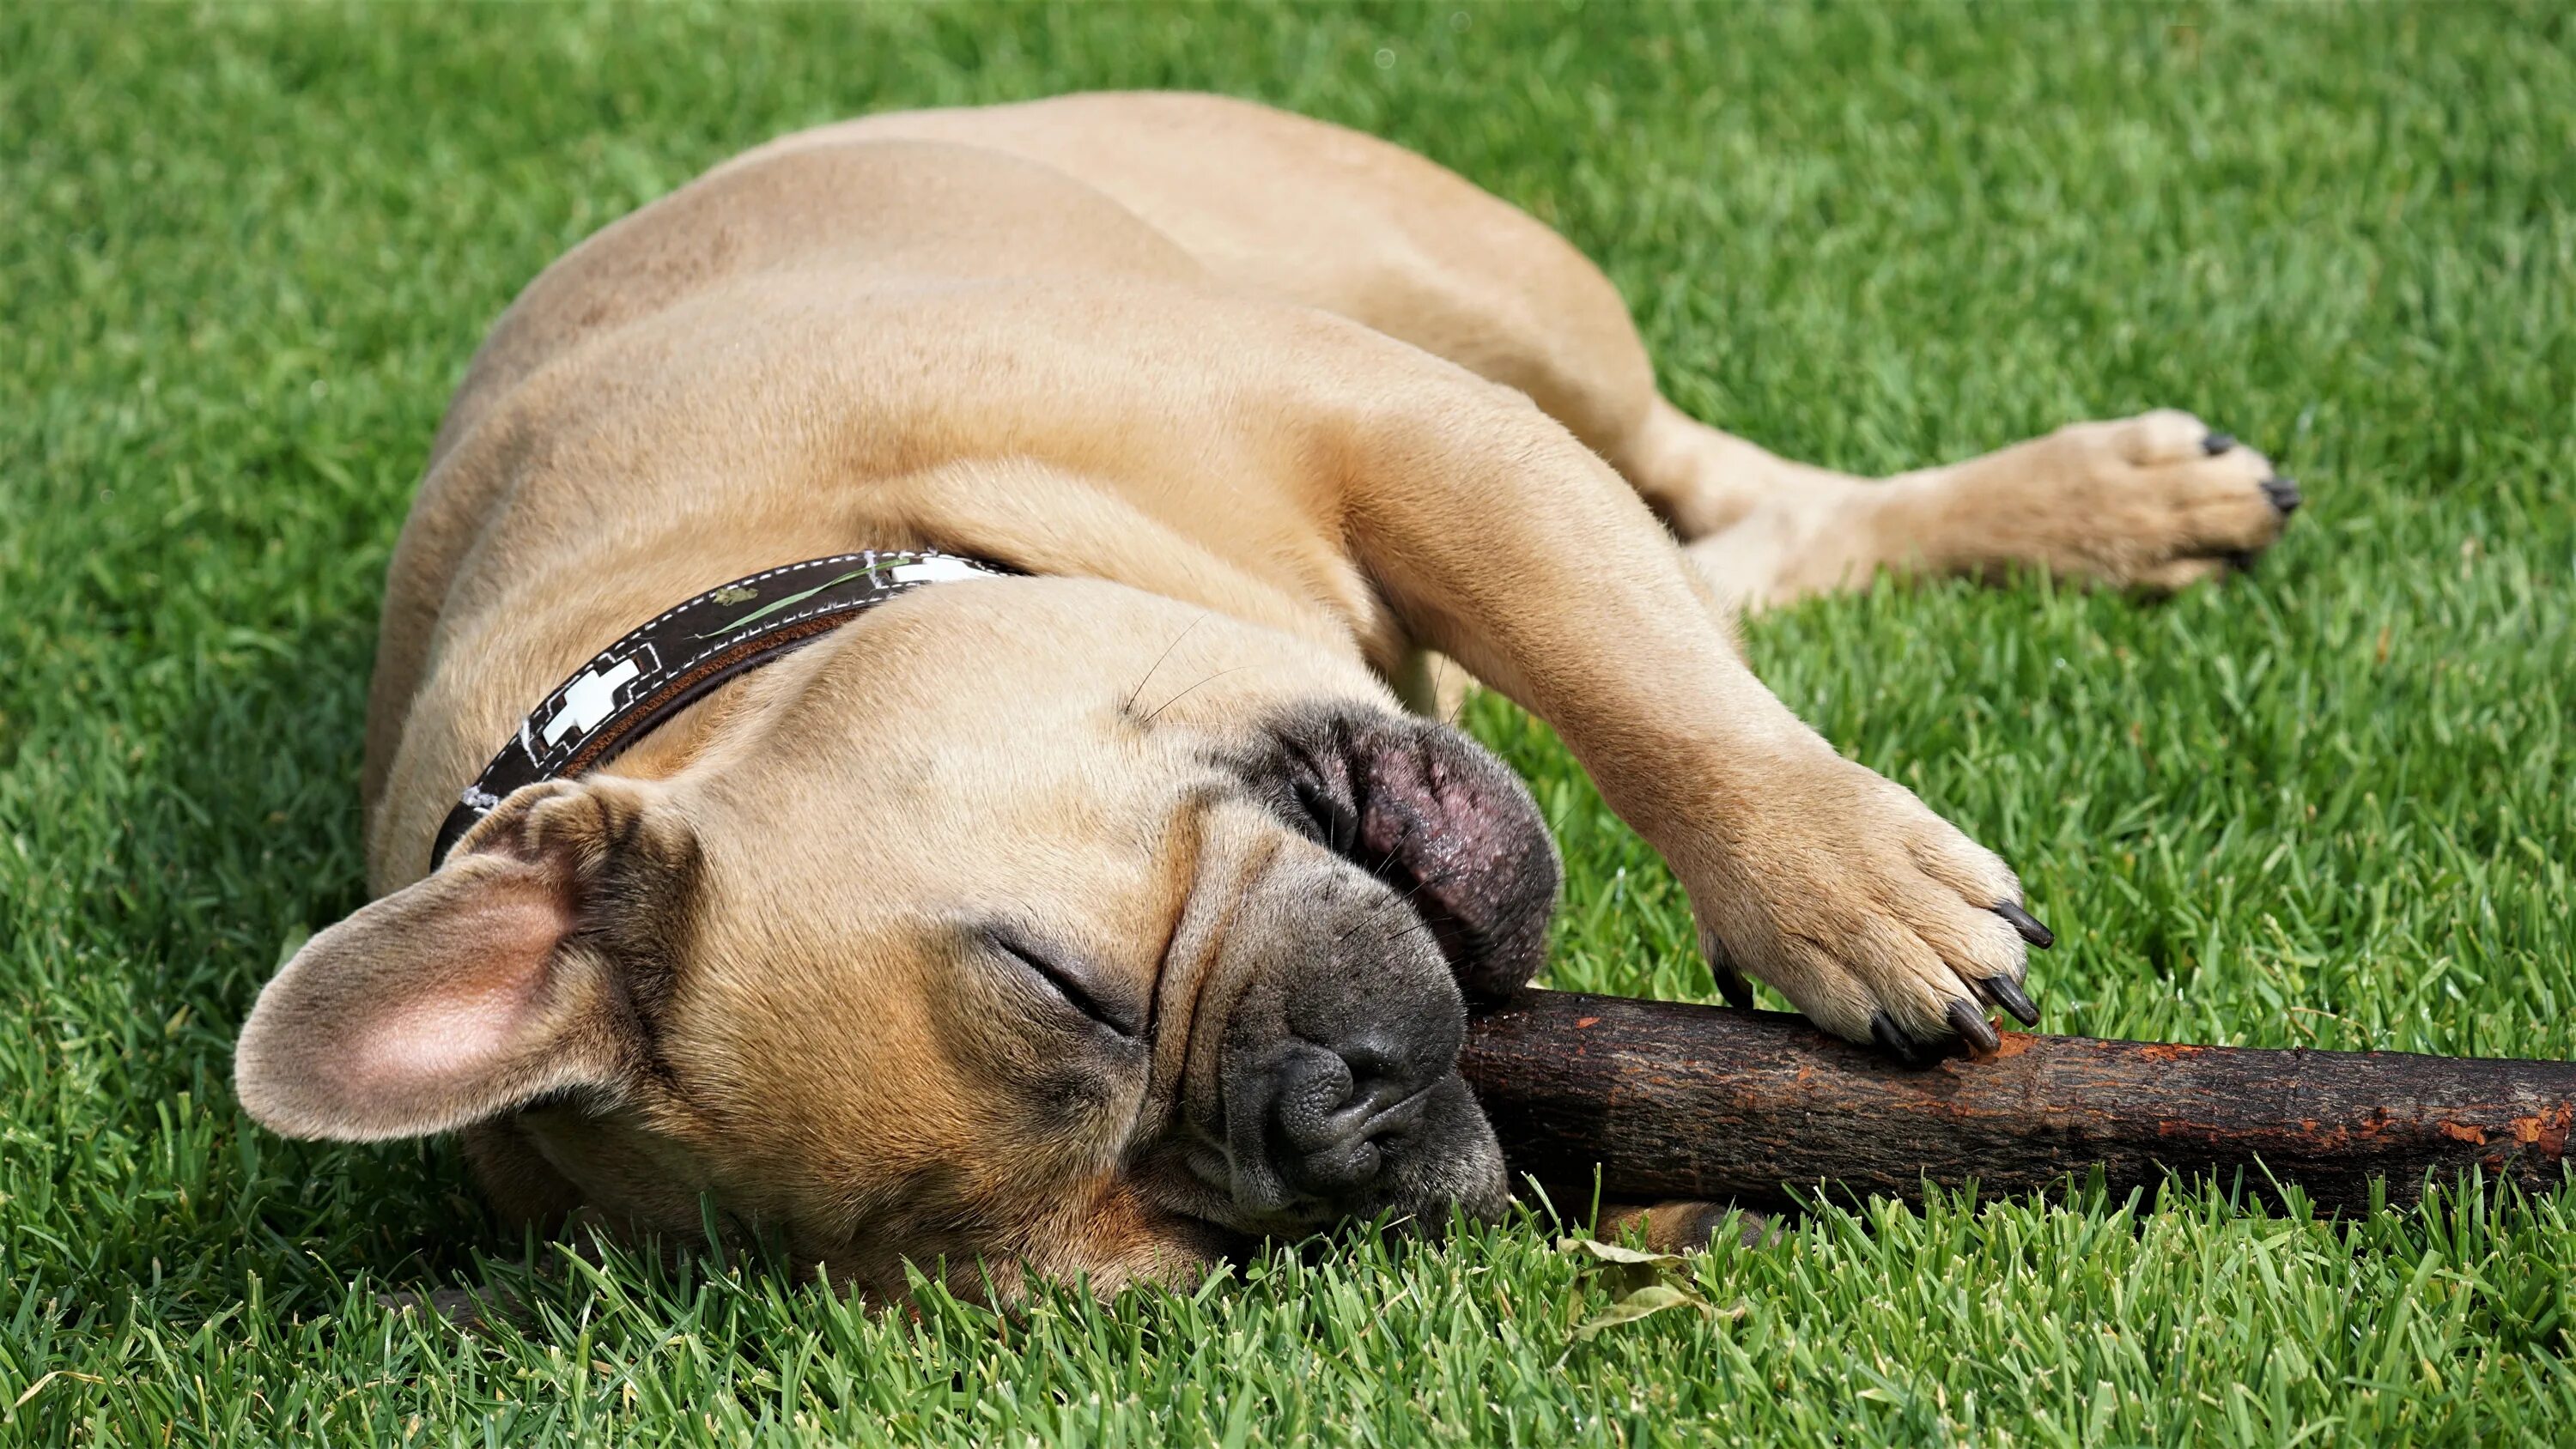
[825, 223]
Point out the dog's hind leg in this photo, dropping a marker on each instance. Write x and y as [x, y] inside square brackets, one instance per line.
[2157, 502]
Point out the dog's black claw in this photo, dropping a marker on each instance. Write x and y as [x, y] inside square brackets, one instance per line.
[2007, 993]
[2217, 443]
[1971, 1024]
[1882, 1028]
[2284, 493]
[1732, 985]
[2029, 926]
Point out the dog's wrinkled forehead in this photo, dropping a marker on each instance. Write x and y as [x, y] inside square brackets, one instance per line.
[953, 706]
[1038, 750]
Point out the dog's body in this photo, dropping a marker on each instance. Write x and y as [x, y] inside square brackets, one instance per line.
[1092, 920]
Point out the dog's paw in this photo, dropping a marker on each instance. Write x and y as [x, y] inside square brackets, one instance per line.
[2160, 501]
[1874, 916]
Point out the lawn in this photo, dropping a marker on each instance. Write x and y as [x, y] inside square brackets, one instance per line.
[245, 253]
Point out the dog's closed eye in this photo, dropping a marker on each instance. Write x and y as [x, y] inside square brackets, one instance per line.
[1075, 985]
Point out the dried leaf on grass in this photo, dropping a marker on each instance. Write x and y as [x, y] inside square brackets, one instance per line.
[1652, 1299]
[1613, 1253]
[1638, 1277]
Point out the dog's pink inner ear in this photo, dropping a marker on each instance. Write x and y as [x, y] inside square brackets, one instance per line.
[463, 1025]
[441, 1005]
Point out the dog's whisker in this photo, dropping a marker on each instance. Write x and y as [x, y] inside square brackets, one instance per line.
[1390, 903]
[1378, 912]
[1175, 699]
[1423, 923]
[1128, 705]
[1394, 852]
[1379, 871]
[1425, 926]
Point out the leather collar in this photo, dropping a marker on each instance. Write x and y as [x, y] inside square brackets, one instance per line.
[667, 663]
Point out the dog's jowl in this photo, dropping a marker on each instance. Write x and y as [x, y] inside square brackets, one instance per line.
[891, 709]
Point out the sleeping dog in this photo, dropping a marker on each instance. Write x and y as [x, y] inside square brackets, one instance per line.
[954, 597]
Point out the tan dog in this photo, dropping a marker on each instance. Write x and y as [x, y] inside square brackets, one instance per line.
[1091, 922]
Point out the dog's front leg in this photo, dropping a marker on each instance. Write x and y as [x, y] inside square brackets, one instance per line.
[1500, 540]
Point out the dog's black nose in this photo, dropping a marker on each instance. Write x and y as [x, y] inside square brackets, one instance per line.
[1330, 1077]
[1336, 1112]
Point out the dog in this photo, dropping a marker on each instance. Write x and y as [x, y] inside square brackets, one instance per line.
[1109, 900]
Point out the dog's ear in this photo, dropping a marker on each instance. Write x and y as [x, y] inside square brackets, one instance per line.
[476, 990]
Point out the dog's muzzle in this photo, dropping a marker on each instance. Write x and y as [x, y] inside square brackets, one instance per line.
[1337, 1087]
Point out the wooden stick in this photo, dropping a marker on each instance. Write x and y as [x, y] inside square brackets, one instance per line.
[1678, 1101]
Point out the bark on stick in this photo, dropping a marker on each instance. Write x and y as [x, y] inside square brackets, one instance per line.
[1680, 1101]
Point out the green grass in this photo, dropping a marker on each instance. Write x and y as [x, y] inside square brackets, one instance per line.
[244, 255]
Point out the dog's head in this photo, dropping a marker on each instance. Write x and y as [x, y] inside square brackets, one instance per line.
[1026, 925]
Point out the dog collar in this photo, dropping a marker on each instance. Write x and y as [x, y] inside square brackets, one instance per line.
[663, 666]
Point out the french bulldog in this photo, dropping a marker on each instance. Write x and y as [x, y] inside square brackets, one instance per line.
[1095, 915]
